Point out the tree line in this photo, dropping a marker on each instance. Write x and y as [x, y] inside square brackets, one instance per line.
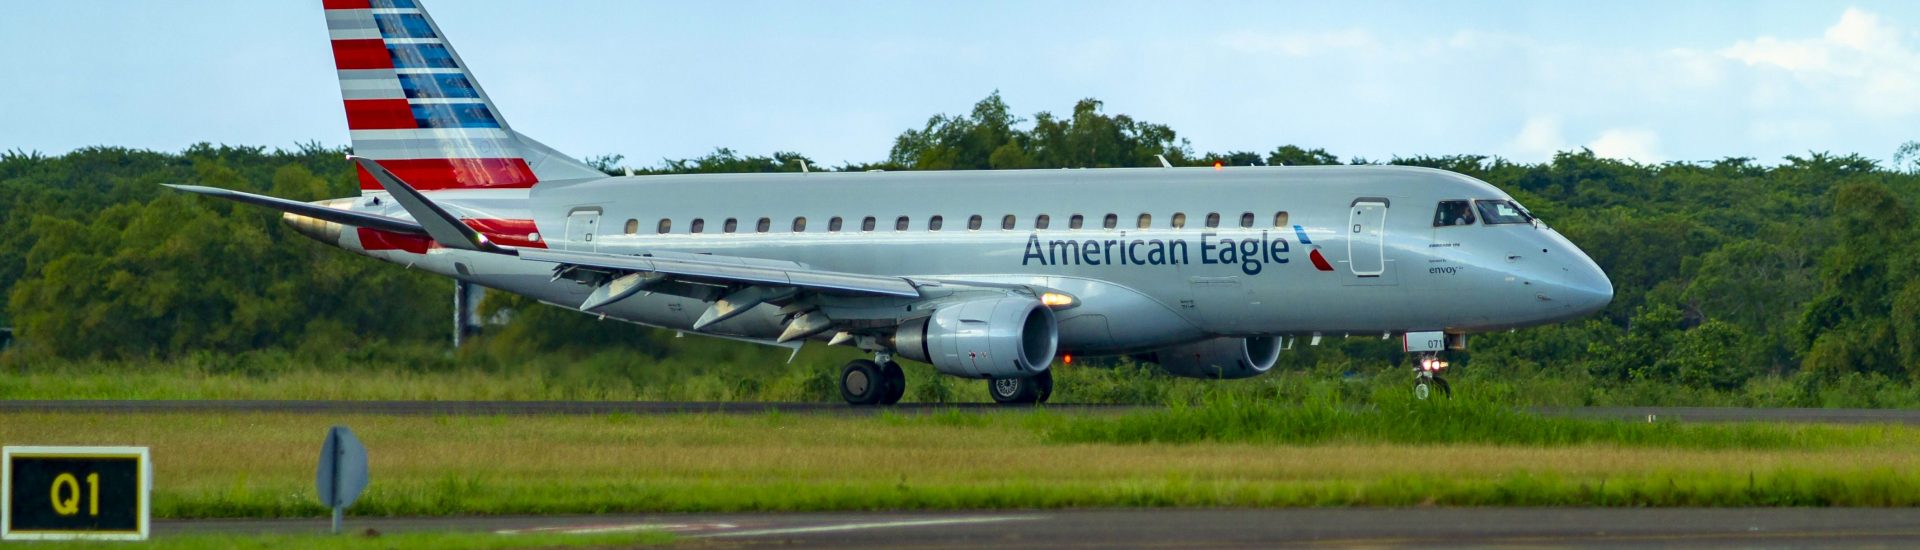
[1724, 271]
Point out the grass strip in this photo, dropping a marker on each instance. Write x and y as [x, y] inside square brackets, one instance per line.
[426, 541]
[211, 465]
[1234, 419]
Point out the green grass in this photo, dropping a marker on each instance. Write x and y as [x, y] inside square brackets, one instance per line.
[699, 369]
[1398, 419]
[1226, 454]
[428, 541]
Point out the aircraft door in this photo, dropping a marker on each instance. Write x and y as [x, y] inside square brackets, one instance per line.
[582, 225]
[1366, 237]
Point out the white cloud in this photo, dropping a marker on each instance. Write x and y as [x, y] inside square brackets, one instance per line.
[1863, 31]
[1538, 139]
[1627, 144]
[1860, 59]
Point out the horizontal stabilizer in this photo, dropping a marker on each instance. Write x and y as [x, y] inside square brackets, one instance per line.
[335, 215]
[442, 226]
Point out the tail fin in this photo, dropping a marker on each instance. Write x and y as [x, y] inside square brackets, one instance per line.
[413, 105]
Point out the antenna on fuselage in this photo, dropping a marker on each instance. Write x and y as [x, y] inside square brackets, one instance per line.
[629, 170]
[803, 166]
[1163, 161]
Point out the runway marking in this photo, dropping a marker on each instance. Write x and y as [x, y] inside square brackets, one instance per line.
[620, 528]
[862, 526]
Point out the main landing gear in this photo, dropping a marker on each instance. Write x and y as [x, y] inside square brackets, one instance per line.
[864, 382]
[1022, 391]
[1427, 380]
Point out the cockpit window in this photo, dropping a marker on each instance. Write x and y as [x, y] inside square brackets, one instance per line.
[1498, 212]
[1453, 213]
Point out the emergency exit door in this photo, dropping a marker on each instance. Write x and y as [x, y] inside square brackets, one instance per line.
[582, 226]
[1367, 237]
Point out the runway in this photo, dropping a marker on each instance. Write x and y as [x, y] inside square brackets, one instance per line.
[489, 408]
[1204, 528]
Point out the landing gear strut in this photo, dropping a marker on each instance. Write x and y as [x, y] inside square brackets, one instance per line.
[1022, 391]
[865, 383]
[1427, 378]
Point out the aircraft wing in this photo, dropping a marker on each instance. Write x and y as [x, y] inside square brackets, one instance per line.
[729, 270]
[343, 217]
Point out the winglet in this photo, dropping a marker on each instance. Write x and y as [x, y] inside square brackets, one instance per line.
[442, 226]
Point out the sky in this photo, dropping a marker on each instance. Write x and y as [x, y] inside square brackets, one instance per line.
[838, 81]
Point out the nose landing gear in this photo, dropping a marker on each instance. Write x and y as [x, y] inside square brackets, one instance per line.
[1427, 380]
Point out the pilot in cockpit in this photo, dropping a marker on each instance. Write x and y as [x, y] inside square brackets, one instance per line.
[1453, 213]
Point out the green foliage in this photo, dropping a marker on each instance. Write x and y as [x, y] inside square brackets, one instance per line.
[988, 138]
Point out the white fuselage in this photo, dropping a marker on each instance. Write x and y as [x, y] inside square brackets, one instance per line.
[1142, 284]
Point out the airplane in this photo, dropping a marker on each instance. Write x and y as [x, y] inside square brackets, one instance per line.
[1208, 272]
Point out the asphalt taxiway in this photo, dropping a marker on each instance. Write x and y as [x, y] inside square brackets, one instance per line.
[1200, 528]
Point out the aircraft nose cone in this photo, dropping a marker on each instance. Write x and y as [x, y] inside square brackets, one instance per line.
[1589, 287]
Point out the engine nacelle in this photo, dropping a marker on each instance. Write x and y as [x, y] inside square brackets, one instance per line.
[988, 338]
[1221, 358]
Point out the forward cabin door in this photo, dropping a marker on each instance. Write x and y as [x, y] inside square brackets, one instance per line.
[1367, 237]
[582, 226]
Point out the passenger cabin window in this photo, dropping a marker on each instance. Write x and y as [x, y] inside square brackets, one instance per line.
[833, 225]
[1146, 221]
[764, 225]
[1006, 222]
[900, 224]
[730, 226]
[799, 225]
[1179, 220]
[866, 224]
[934, 223]
[1213, 220]
[1452, 213]
[698, 225]
[973, 223]
[633, 227]
[1113, 220]
[1075, 222]
[1041, 221]
[1246, 220]
[1499, 212]
[1280, 219]
[666, 225]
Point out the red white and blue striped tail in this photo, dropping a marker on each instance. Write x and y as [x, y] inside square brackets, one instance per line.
[413, 106]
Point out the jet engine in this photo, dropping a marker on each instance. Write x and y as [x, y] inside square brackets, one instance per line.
[987, 338]
[1221, 358]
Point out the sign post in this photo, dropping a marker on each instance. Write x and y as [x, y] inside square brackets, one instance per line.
[342, 473]
[66, 493]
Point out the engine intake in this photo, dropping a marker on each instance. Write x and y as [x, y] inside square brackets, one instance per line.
[1221, 358]
[990, 338]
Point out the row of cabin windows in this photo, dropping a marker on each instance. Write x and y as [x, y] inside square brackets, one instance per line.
[974, 223]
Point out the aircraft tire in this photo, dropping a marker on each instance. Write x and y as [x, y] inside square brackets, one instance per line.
[1042, 386]
[1021, 391]
[896, 380]
[1426, 387]
[861, 383]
